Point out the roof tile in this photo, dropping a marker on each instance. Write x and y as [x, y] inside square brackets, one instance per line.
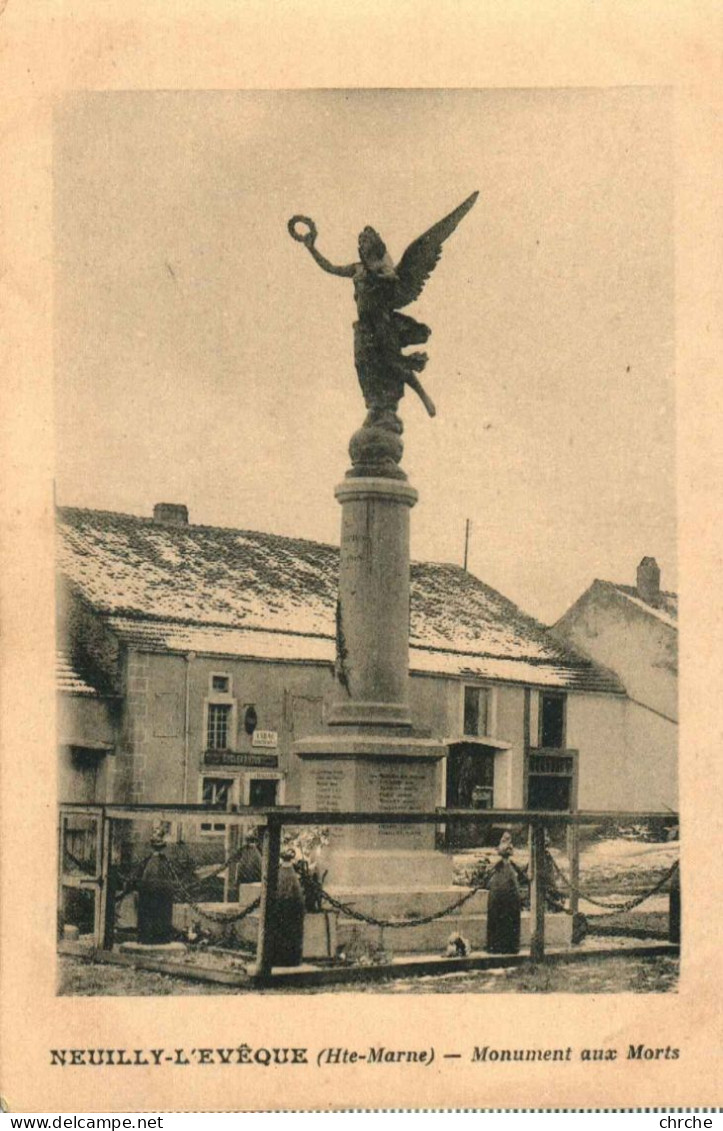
[67, 678]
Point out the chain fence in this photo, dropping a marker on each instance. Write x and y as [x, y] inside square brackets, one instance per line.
[551, 892]
[408, 921]
[613, 891]
[189, 897]
[613, 908]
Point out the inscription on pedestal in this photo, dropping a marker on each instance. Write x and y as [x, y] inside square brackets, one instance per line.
[400, 790]
[332, 790]
[328, 791]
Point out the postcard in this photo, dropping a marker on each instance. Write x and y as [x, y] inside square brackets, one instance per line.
[360, 466]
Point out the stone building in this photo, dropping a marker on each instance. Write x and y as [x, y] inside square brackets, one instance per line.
[87, 727]
[633, 630]
[206, 652]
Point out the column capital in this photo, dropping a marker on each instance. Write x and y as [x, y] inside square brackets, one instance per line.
[393, 490]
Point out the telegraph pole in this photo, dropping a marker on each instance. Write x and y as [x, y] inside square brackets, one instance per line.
[466, 543]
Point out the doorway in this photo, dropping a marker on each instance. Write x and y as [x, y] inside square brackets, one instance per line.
[82, 900]
[263, 792]
[470, 785]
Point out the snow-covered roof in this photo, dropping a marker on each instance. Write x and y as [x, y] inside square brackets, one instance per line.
[242, 593]
[255, 644]
[666, 611]
[67, 678]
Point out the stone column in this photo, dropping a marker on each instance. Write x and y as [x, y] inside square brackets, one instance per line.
[369, 758]
[372, 668]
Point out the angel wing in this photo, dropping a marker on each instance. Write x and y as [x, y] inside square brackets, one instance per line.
[422, 256]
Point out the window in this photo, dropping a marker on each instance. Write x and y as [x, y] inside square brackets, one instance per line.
[476, 710]
[219, 717]
[221, 722]
[552, 721]
[216, 793]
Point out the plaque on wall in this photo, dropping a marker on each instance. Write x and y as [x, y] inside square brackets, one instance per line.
[268, 738]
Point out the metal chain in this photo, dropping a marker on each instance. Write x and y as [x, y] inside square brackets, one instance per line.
[130, 882]
[211, 916]
[417, 921]
[614, 908]
[230, 859]
[219, 916]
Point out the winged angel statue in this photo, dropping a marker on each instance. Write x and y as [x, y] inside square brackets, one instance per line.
[381, 333]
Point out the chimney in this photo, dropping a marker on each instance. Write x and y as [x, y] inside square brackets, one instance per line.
[649, 582]
[171, 514]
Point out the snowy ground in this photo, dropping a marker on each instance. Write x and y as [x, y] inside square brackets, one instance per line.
[628, 865]
[626, 974]
[609, 868]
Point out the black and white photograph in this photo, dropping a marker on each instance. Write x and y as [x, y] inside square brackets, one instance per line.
[366, 554]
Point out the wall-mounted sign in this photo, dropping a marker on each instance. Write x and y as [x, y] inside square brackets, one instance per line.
[230, 758]
[482, 797]
[267, 738]
[551, 764]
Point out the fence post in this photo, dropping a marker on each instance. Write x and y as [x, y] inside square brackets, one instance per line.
[61, 863]
[230, 887]
[537, 891]
[573, 855]
[105, 910]
[674, 907]
[269, 883]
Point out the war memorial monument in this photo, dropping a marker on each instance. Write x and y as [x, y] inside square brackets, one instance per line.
[371, 757]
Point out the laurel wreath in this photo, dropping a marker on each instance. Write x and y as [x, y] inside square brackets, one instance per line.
[299, 236]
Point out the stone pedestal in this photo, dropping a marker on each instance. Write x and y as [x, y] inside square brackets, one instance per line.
[364, 773]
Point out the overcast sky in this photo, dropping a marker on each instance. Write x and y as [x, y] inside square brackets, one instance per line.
[202, 357]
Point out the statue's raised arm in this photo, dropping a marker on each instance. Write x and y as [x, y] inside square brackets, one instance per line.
[308, 238]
